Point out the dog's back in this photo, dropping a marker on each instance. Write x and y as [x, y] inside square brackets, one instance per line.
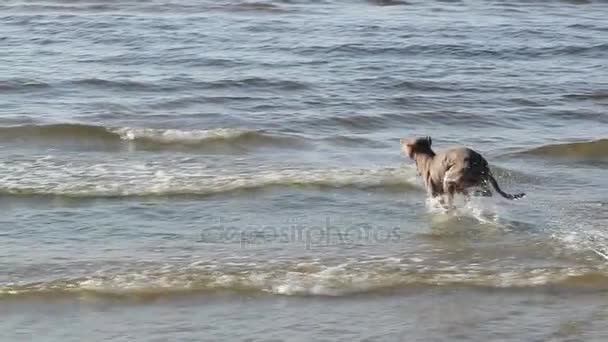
[461, 165]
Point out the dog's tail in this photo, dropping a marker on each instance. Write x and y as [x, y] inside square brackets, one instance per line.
[502, 193]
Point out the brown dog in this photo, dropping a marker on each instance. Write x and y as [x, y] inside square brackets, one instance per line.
[451, 171]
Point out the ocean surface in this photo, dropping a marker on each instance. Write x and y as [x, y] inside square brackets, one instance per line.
[181, 170]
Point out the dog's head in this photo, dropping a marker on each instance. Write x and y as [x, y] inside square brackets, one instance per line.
[413, 146]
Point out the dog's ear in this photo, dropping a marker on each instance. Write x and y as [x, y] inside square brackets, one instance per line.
[429, 140]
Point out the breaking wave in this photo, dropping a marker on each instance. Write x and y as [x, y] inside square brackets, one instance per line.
[303, 279]
[149, 138]
[47, 177]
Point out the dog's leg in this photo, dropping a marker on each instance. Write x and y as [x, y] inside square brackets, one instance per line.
[467, 196]
[441, 200]
[449, 189]
[449, 195]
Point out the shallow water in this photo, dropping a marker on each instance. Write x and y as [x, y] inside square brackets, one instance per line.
[220, 170]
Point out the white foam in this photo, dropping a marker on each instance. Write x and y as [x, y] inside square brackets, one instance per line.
[482, 209]
[57, 176]
[289, 280]
[175, 135]
[581, 238]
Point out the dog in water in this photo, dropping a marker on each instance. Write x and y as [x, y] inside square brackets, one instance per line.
[451, 171]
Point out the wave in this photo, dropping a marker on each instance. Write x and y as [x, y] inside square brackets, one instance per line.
[200, 138]
[66, 6]
[148, 138]
[364, 122]
[48, 177]
[159, 139]
[22, 84]
[597, 116]
[254, 7]
[387, 120]
[596, 150]
[595, 96]
[55, 131]
[383, 3]
[161, 85]
[174, 84]
[353, 141]
[113, 84]
[255, 82]
[458, 50]
[194, 100]
[302, 279]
